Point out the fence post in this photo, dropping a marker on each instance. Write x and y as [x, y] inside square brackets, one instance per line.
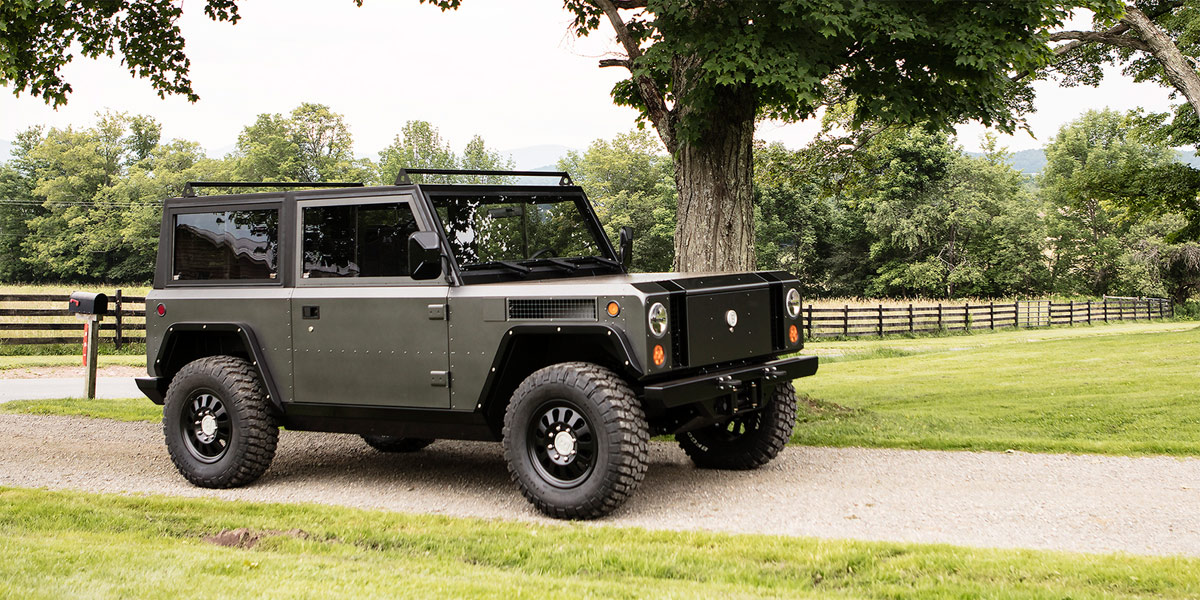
[846, 320]
[810, 322]
[1016, 314]
[910, 318]
[941, 326]
[880, 320]
[117, 340]
[1148, 317]
[1089, 308]
[1105, 300]
[967, 316]
[1071, 313]
[992, 314]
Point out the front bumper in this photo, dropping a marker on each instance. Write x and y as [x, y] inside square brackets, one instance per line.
[743, 386]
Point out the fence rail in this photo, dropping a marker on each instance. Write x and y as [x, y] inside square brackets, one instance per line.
[861, 321]
[54, 325]
[847, 321]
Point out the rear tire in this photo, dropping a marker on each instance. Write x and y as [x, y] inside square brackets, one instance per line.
[576, 439]
[391, 443]
[218, 424]
[747, 442]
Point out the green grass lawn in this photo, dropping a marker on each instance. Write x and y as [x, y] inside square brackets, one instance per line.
[69, 360]
[77, 545]
[127, 409]
[1120, 389]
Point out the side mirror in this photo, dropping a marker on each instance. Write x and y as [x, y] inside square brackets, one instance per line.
[626, 251]
[424, 255]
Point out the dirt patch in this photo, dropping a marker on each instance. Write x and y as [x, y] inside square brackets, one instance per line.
[248, 538]
[64, 372]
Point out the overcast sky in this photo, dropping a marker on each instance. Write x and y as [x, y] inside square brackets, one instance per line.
[508, 71]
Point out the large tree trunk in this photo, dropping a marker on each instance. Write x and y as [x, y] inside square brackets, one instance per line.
[714, 176]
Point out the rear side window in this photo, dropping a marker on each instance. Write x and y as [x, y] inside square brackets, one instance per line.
[236, 244]
[365, 240]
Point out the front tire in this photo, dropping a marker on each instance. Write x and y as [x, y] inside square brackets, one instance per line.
[576, 440]
[746, 442]
[218, 424]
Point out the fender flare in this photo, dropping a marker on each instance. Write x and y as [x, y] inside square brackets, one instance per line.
[616, 344]
[248, 339]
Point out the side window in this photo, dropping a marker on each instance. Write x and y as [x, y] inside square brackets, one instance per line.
[364, 240]
[236, 244]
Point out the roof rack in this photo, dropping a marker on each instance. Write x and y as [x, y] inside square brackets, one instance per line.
[189, 189]
[402, 178]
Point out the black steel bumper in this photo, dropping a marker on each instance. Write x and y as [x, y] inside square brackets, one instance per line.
[155, 388]
[750, 382]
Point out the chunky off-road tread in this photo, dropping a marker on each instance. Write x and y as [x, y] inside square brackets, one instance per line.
[767, 432]
[388, 443]
[621, 418]
[255, 431]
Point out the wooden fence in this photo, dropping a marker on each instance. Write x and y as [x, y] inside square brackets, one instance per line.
[858, 321]
[41, 324]
[43, 319]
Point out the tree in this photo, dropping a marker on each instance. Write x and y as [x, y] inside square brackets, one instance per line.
[311, 144]
[419, 145]
[38, 39]
[703, 72]
[630, 181]
[1155, 40]
[18, 205]
[794, 215]
[1090, 167]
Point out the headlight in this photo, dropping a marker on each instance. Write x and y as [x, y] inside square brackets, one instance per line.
[658, 319]
[792, 302]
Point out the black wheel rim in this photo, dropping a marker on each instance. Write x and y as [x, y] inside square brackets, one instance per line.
[206, 426]
[562, 444]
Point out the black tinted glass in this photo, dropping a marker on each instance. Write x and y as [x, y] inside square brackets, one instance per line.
[367, 240]
[239, 244]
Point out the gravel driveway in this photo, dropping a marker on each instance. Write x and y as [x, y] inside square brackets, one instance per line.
[1083, 503]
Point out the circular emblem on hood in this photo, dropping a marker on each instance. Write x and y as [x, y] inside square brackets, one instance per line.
[731, 318]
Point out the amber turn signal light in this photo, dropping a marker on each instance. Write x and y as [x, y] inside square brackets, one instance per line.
[793, 334]
[614, 309]
[659, 356]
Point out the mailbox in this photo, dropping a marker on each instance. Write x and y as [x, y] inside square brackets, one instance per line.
[86, 303]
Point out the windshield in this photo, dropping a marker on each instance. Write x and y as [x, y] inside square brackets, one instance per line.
[486, 230]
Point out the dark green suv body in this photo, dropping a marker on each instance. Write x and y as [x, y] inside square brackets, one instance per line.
[411, 313]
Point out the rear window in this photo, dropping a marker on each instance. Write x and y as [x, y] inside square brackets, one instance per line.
[362, 240]
[227, 245]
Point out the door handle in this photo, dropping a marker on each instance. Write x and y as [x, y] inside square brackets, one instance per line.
[310, 312]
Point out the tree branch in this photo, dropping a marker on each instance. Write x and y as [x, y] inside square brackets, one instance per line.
[1109, 37]
[627, 4]
[616, 62]
[652, 97]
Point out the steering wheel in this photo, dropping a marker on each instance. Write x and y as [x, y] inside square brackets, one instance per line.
[541, 252]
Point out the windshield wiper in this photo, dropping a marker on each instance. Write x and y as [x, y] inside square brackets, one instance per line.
[507, 264]
[600, 259]
[552, 262]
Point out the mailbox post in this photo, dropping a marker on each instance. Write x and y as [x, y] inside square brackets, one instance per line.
[90, 308]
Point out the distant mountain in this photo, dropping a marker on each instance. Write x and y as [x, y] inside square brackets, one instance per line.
[1031, 162]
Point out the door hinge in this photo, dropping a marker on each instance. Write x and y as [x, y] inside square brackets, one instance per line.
[439, 378]
[437, 312]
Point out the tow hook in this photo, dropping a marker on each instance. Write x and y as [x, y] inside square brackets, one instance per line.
[727, 383]
[773, 373]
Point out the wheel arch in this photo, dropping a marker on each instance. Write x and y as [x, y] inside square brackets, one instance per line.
[527, 348]
[185, 342]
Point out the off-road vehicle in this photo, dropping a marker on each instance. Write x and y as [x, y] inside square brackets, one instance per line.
[416, 312]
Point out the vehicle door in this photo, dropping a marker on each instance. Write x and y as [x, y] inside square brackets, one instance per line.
[363, 331]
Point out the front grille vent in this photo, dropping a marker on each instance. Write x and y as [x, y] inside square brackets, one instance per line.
[544, 309]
